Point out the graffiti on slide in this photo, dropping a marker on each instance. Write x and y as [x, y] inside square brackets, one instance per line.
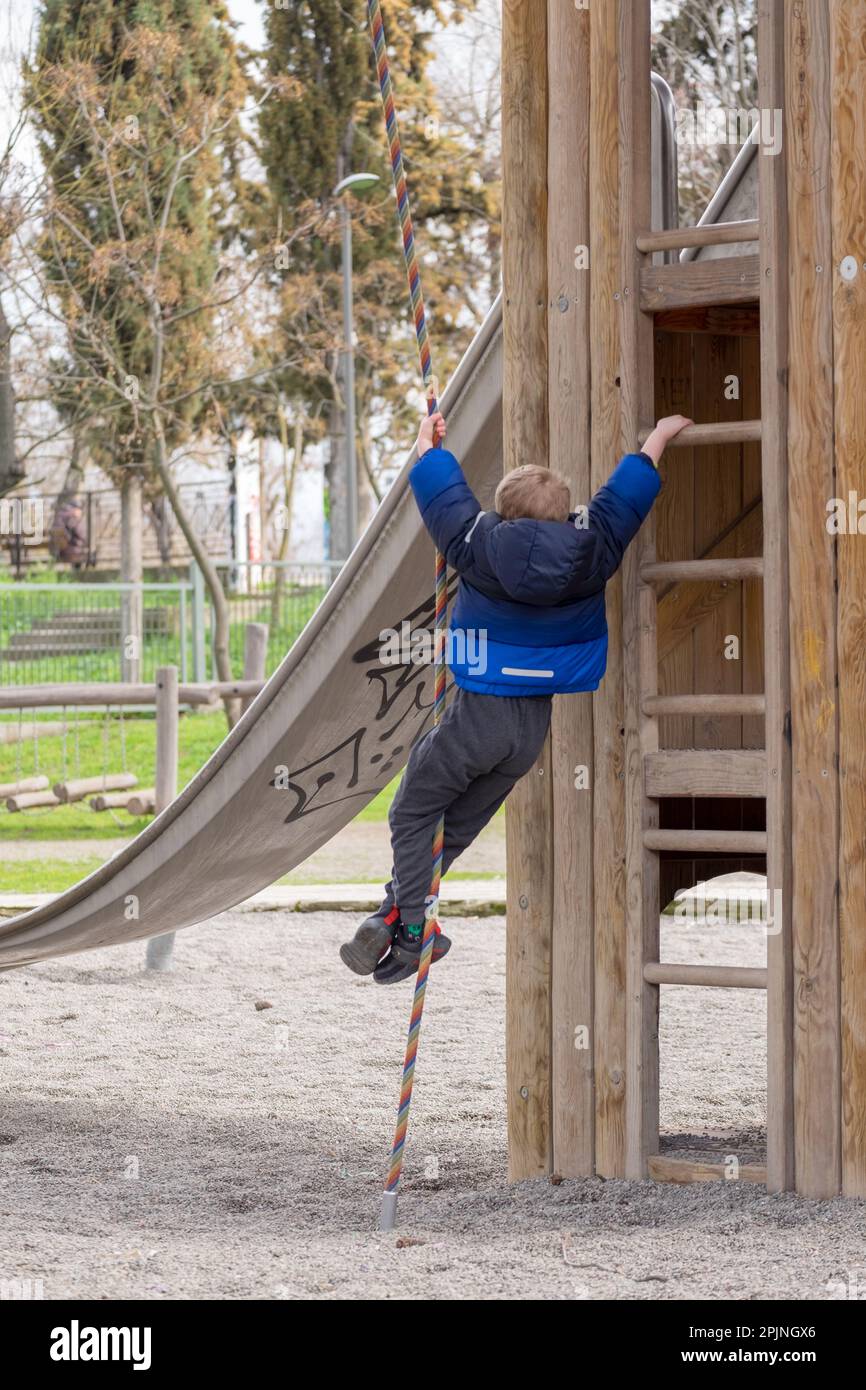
[364, 761]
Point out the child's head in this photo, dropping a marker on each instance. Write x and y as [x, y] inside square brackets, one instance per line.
[535, 492]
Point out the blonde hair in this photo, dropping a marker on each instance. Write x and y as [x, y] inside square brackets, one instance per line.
[533, 491]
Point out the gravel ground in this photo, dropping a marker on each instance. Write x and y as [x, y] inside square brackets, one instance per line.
[165, 1137]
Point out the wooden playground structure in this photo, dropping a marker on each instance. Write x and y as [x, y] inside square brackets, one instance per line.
[697, 764]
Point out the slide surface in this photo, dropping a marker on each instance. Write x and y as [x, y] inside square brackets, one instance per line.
[339, 721]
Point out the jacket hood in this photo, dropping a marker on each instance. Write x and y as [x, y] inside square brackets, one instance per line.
[536, 561]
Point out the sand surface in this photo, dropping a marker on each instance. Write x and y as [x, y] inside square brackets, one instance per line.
[162, 1137]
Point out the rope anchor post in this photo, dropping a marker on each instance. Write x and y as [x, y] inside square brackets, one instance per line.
[388, 1215]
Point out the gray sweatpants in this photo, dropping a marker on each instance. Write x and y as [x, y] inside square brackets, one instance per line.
[465, 767]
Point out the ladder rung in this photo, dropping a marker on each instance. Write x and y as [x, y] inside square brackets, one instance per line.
[712, 234]
[708, 841]
[706, 772]
[706, 705]
[711, 284]
[685, 1170]
[715, 976]
[699, 571]
[721, 432]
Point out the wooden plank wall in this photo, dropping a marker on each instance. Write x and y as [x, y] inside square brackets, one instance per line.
[848, 223]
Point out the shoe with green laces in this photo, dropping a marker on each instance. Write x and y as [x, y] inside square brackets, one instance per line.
[402, 960]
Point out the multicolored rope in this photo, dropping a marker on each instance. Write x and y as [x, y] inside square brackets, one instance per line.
[413, 274]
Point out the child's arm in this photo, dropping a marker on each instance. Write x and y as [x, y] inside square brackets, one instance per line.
[666, 430]
[448, 506]
[620, 507]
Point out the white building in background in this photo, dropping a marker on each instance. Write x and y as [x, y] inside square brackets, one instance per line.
[257, 539]
[225, 509]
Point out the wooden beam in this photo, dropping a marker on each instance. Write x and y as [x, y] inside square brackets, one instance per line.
[609, 1041]
[686, 1170]
[848, 53]
[24, 784]
[706, 772]
[255, 657]
[699, 571]
[569, 386]
[811, 620]
[22, 801]
[708, 841]
[711, 234]
[724, 705]
[83, 695]
[529, 817]
[720, 432]
[709, 976]
[774, 413]
[640, 660]
[76, 789]
[700, 284]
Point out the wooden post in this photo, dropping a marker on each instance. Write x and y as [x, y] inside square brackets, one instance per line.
[255, 656]
[131, 609]
[848, 92]
[529, 820]
[801, 40]
[572, 759]
[774, 447]
[608, 726]
[639, 629]
[160, 948]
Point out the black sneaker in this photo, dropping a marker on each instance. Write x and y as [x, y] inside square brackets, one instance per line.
[402, 960]
[371, 941]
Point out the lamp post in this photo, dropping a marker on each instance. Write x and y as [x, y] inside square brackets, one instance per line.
[354, 183]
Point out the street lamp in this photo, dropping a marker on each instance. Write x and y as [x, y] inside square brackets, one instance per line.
[354, 183]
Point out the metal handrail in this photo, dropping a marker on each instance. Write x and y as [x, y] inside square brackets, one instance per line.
[729, 184]
[665, 171]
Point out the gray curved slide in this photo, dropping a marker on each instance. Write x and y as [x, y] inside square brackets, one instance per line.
[333, 715]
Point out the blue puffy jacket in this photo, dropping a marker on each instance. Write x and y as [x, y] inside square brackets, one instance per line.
[533, 590]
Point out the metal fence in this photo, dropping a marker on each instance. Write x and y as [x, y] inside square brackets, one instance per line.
[74, 632]
[58, 632]
[207, 504]
[282, 594]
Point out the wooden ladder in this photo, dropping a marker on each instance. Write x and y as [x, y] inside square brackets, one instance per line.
[652, 773]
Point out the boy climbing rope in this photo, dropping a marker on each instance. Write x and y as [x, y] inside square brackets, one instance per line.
[532, 579]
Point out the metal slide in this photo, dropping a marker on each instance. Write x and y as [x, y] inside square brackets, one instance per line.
[333, 722]
[333, 716]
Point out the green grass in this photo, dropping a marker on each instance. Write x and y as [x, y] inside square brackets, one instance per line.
[46, 875]
[55, 875]
[378, 808]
